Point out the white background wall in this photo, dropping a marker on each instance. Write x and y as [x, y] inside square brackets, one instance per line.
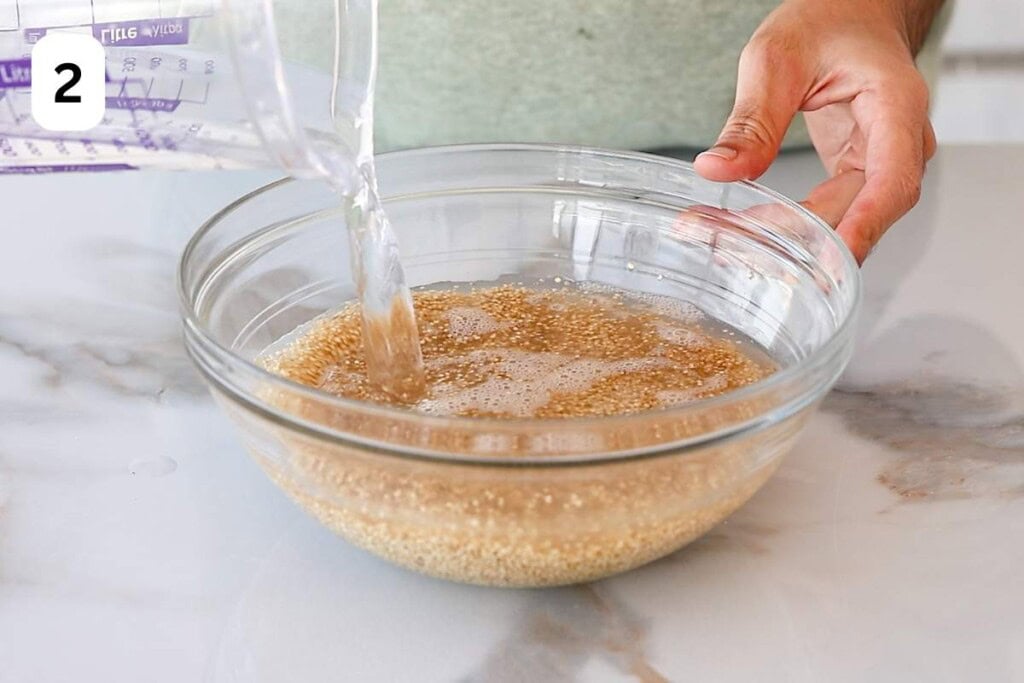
[980, 96]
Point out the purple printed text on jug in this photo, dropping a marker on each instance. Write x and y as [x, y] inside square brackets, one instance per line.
[145, 32]
[142, 103]
[32, 35]
[16, 73]
[66, 168]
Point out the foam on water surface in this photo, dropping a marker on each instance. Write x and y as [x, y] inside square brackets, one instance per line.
[465, 322]
[522, 382]
[518, 352]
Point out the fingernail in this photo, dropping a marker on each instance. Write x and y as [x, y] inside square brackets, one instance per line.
[720, 151]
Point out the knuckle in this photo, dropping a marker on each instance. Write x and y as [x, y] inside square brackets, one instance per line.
[907, 86]
[770, 46]
[750, 125]
[917, 92]
[907, 189]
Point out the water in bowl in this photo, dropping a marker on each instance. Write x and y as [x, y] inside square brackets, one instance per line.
[551, 349]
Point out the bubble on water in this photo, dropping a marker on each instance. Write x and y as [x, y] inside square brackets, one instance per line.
[675, 397]
[715, 383]
[529, 381]
[465, 322]
[659, 304]
[680, 336]
[668, 307]
[339, 380]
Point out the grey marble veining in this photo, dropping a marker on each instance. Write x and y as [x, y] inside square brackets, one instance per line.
[139, 542]
[949, 440]
[559, 632]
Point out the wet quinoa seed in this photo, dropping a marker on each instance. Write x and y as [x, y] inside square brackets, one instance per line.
[514, 351]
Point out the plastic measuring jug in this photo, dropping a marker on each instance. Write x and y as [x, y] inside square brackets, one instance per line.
[193, 84]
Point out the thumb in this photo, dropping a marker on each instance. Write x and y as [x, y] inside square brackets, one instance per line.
[769, 92]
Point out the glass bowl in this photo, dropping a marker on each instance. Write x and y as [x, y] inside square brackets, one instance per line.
[519, 502]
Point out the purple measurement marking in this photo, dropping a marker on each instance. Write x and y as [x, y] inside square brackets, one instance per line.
[16, 73]
[65, 168]
[142, 103]
[32, 35]
[146, 32]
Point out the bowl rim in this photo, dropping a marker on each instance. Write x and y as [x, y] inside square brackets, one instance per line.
[819, 357]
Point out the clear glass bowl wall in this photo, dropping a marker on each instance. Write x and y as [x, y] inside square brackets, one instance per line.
[524, 502]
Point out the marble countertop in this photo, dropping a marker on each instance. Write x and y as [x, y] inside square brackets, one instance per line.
[138, 542]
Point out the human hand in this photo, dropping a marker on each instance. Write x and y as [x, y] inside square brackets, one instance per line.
[850, 66]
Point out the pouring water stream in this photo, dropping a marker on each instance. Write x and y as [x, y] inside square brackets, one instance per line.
[390, 339]
[392, 353]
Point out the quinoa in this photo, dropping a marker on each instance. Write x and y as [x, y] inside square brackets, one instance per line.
[580, 353]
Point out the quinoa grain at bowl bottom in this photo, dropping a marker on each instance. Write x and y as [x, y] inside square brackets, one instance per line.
[522, 526]
[528, 526]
